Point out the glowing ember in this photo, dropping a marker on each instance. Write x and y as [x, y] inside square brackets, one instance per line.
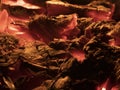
[115, 88]
[6, 25]
[20, 3]
[103, 88]
[4, 19]
[79, 54]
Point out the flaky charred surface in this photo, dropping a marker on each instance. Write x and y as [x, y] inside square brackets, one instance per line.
[8, 47]
[43, 57]
[96, 28]
[9, 54]
[22, 9]
[115, 33]
[33, 62]
[61, 44]
[39, 63]
[95, 8]
[89, 28]
[104, 57]
[100, 41]
[98, 10]
[101, 63]
[97, 68]
[72, 77]
[56, 65]
[117, 70]
[49, 28]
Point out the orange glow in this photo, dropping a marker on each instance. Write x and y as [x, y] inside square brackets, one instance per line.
[4, 20]
[79, 54]
[103, 88]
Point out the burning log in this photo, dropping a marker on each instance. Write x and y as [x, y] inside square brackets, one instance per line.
[71, 53]
[9, 54]
[98, 10]
[22, 9]
[62, 26]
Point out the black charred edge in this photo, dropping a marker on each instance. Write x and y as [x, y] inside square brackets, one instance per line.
[116, 14]
[19, 11]
[48, 59]
[9, 54]
[60, 20]
[117, 70]
[99, 44]
[105, 58]
[102, 27]
[9, 50]
[79, 2]
[79, 77]
[36, 2]
[77, 43]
